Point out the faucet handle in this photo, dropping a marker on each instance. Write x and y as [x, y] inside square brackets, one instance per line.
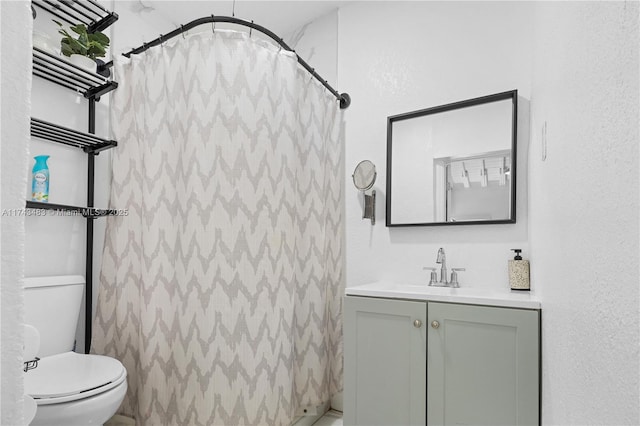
[454, 276]
[434, 275]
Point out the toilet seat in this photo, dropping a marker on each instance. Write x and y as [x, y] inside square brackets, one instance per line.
[71, 376]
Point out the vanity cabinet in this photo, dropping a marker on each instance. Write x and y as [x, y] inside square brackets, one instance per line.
[417, 362]
[482, 365]
[385, 361]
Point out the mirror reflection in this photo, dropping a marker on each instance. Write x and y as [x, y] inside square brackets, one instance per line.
[364, 175]
[453, 164]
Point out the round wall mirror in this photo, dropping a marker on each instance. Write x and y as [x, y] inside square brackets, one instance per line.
[364, 176]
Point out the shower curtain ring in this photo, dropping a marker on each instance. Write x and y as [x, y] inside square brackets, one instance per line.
[161, 40]
[213, 24]
[250, 29]
[182, 31]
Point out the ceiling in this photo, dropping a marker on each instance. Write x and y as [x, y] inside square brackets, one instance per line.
[281, 17]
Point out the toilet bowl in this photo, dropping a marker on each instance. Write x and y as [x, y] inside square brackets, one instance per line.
[69, 388]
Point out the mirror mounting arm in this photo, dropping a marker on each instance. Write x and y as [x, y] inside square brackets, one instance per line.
[369, 210]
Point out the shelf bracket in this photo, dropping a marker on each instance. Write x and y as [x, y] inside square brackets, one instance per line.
[96, 149]
[96, 92]
[103, 23]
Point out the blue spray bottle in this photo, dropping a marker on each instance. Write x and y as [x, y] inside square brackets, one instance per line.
[40, 183]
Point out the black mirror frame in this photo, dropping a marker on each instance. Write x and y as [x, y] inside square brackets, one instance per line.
[513, 95]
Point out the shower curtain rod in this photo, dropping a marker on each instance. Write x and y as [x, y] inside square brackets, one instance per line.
[344, 98]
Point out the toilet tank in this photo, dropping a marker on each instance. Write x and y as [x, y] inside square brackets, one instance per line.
[52, 306]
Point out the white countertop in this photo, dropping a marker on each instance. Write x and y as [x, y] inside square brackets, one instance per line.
[473, 296]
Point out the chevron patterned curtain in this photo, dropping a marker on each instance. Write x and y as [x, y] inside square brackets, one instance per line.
[220, 291]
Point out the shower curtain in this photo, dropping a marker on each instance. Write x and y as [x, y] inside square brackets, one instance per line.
[220, 291]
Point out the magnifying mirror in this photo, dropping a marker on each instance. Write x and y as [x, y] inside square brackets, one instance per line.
[364, 176]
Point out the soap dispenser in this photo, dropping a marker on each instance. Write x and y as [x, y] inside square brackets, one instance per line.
[519, 272]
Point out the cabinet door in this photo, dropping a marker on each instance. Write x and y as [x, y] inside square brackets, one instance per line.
[483, 365]
[384, 362]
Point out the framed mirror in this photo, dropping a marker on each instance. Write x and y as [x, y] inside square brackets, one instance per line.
[453, 164]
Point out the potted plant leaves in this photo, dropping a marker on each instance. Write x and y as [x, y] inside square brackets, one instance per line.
[84, 48]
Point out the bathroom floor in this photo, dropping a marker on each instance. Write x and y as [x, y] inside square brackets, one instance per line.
[119, 420]
[330, 418]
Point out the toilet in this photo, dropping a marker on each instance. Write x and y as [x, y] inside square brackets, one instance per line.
[69, 388]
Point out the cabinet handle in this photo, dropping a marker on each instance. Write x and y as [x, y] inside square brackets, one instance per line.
[435, 324]
[417, 323]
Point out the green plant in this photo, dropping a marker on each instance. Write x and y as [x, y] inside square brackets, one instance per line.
[92, 45]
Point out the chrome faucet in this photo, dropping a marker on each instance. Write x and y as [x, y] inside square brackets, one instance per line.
[442, 258]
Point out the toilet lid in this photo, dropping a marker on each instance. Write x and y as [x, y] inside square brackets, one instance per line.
[71, 373]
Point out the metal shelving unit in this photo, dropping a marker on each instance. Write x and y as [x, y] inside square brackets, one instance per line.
[72, 12]
[63, 73]
[92, 86]
[55, 133]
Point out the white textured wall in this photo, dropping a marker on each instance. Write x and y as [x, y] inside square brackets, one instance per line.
[395, 57]
[139, 23]
[584, 210]
[15, 71]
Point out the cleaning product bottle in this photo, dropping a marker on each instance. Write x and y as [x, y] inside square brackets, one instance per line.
[519, 272]
[40, 182]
